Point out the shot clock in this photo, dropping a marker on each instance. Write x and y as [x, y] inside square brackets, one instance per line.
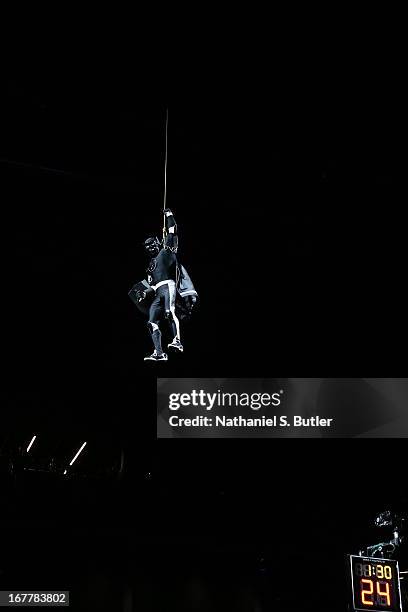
[375, 584]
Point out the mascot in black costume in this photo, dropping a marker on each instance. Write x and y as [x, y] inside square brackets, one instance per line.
[168, 292]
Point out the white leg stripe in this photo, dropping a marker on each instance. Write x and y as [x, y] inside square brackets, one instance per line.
[172, 292]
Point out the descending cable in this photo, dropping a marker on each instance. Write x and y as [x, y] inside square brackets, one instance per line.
[165, 178]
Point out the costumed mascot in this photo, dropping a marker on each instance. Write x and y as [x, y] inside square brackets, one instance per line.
[168, 293]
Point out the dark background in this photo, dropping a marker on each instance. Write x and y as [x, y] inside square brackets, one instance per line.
[290, 215]
[290, 211]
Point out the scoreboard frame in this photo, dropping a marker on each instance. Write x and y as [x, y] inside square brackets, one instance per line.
[374, 561]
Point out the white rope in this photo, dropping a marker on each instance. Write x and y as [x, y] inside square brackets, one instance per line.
[165, 178]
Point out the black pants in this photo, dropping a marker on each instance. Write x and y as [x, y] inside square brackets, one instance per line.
[163, 307]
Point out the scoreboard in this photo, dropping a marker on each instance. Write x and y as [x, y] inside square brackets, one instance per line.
[375, 584]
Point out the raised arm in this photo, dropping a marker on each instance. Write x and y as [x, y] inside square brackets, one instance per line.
[170, 236]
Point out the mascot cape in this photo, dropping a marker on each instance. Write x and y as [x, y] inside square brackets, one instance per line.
[185, 289]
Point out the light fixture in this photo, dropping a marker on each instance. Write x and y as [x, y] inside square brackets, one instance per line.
[31, 443]
[78, 453]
